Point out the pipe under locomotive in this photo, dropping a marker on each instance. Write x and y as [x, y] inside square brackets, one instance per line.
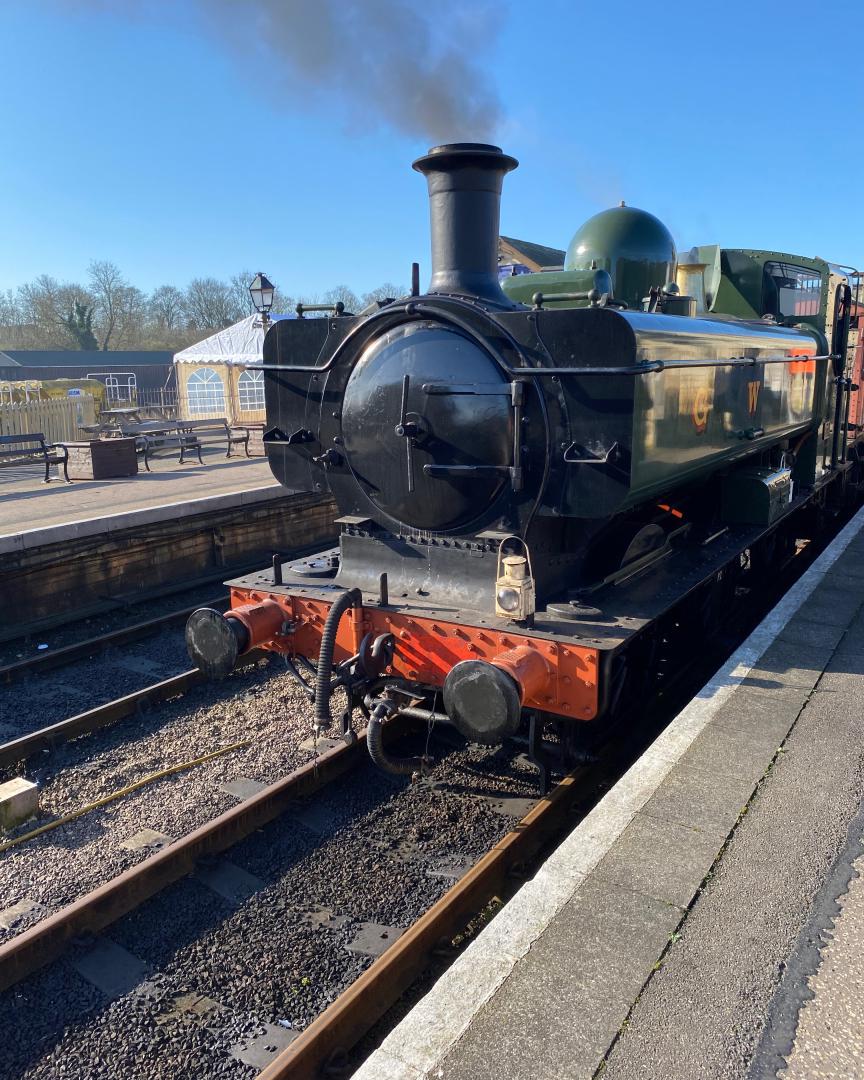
[526, 495]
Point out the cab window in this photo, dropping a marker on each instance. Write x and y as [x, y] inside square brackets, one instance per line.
[790, 291]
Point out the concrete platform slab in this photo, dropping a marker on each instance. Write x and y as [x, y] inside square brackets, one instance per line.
[835, 604]
[92, 507]
[696, 799]
[564, 1023]
[660, 859]
[763, 714]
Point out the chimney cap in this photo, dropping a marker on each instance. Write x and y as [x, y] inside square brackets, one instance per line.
[468, 153]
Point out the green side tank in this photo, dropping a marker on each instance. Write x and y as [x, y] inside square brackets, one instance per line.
[634, 247]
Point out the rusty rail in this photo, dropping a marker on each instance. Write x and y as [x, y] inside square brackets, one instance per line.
[104, 715]
[82, 650]
[46, 940]
[349, 1018]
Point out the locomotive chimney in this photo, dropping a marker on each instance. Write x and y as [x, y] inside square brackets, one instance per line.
[464, 204]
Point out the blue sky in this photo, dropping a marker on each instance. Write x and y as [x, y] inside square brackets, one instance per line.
[135, 133]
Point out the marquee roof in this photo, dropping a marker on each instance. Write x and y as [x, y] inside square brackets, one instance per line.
[241, 343]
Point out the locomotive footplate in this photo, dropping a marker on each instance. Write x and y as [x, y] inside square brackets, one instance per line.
[577, 640]
[427, 642]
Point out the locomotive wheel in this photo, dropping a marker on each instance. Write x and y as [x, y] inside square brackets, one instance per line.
[649, 538]
[623, 543]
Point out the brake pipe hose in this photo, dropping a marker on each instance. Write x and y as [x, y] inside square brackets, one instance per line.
[323, 717]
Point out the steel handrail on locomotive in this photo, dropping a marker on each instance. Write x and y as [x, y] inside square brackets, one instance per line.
[445, 424]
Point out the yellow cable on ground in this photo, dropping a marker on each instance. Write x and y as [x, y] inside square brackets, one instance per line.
[123, 791]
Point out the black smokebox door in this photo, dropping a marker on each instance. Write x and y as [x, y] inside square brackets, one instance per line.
[427, 427]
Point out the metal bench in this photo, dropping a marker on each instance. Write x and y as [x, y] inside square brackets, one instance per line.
[34, 448]
[235, 434]
[184, 441]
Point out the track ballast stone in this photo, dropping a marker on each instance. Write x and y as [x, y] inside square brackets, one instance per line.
[281, 956]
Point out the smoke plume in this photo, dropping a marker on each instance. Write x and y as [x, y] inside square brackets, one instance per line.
[412, 65]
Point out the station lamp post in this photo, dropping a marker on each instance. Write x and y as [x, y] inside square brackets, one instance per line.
[261, 290]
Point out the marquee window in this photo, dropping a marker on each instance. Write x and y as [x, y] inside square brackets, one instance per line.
[205, 391]
[251, 390]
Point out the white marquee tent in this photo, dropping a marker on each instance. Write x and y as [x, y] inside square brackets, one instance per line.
[211, 376]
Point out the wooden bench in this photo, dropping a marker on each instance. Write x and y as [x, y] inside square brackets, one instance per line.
[234, 434]
[34, 448]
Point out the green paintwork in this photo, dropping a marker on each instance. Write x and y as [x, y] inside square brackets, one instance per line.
[670, 445]
[522, 287]
[635, 248]
[755, 495]
[739, 290]
[741, 284]
[680, 425]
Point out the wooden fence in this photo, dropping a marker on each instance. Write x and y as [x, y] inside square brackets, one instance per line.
[58, 419]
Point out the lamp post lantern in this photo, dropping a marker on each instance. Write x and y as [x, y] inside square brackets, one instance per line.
[261, 290]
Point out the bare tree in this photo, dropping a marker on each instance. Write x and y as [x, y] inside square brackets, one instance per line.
[167, 307]
[44, 306]
[46, 313]
[387, 291]
[345, 295]
[13, 326]
[109, 289]
[239, 286]
[283, 304]
[210, 304]
[131, 317]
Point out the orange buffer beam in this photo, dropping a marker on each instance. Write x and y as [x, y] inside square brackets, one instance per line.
[426, 649]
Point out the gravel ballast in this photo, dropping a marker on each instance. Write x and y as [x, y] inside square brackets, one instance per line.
[260, 705]
[373, 849]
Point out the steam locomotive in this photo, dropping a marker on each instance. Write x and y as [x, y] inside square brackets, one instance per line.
[544, 489]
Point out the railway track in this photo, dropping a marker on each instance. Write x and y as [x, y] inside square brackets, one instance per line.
[382, 983]
[45, 941]
[112, 712]
[326, 1044]
[90, 647]
[47, 738]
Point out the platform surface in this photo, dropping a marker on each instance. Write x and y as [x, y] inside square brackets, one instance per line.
[705, 919]
[26, 503]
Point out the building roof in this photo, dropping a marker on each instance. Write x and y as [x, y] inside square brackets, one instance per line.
[94, 359]
[534, 256]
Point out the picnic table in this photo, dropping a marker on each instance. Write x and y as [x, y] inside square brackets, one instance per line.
[130, 412]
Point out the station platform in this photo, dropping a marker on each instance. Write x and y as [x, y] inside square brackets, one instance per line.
[33, 514]
[706, 919]
[73, 551]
